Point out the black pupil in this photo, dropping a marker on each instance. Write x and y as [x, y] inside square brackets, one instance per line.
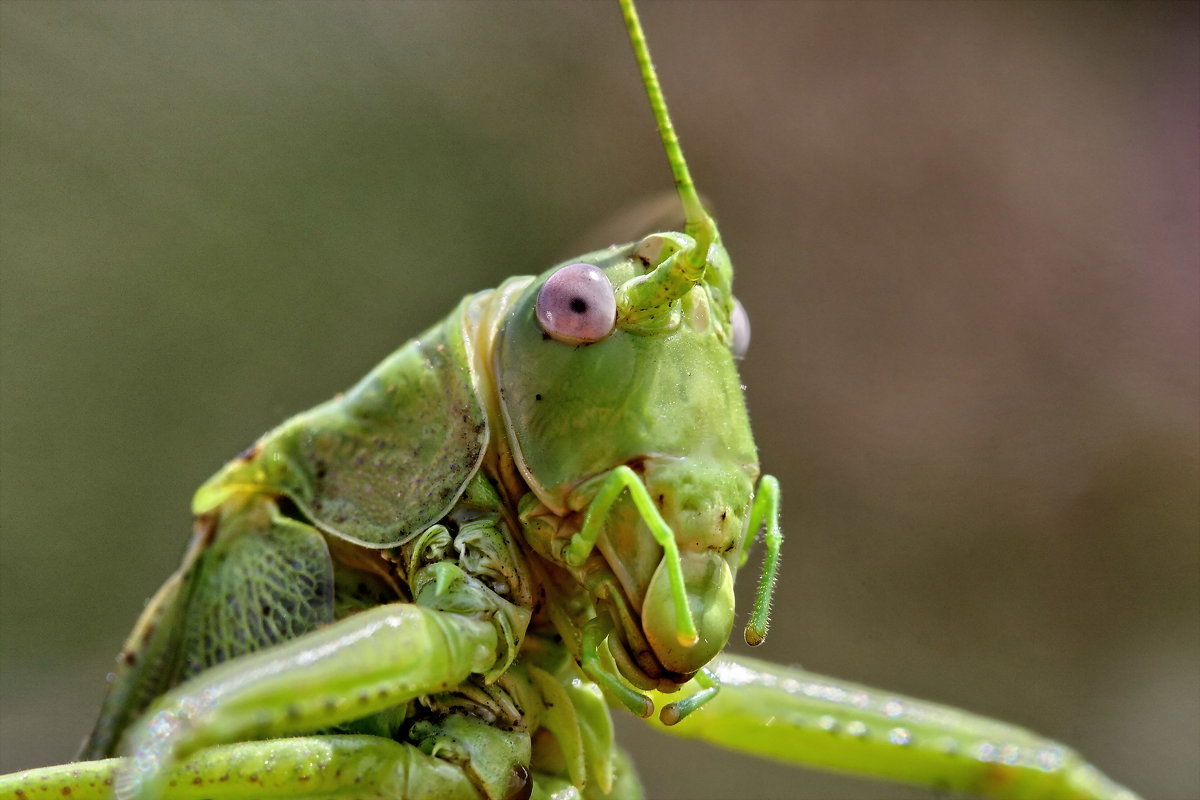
[578, 305]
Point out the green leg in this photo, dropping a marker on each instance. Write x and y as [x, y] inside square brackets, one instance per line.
[372, 661]
[791, 715]
[341, 767]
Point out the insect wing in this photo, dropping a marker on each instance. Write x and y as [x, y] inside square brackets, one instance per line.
[260, 583]
[251, 579]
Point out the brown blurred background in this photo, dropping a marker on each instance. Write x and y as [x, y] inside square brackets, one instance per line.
[966, 234]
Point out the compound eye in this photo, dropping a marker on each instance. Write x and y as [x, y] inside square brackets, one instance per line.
[740, 321]
[577, 305]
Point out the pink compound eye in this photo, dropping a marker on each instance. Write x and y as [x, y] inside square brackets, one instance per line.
[576, 304]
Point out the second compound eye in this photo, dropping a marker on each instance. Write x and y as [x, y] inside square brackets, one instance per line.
[576, 304]
[740, 321]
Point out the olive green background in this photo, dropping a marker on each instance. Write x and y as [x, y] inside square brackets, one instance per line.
[966, 235]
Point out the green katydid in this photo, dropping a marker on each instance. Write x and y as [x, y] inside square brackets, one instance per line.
[306, 527]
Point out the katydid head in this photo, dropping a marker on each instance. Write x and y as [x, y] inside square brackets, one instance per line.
[625, 417]
[613, 361]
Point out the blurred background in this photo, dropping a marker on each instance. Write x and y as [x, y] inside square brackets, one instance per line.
[966, 235]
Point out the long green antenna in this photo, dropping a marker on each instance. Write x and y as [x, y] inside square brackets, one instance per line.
[699, 225]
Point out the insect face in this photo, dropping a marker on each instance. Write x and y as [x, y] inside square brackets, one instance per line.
[663, 386]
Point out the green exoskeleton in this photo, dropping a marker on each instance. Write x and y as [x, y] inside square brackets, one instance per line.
[429, 586]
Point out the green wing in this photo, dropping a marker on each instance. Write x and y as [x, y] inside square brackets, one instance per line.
[257, 586]
[382, 462]
[251, 578]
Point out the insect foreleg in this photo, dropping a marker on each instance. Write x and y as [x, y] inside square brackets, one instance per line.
[367, 663]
